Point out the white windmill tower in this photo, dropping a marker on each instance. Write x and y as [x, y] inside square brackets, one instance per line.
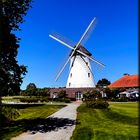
[80, 72]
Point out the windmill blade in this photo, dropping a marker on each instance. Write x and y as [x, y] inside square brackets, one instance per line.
[76, 50]
[64, 66]
[62, 69]
[85, 33]
[89, 33]
[60, 41]
[64, 39]
[101, 64]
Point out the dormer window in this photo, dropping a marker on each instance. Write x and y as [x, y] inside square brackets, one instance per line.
[71, 75]
[69, 84]
[88, 74]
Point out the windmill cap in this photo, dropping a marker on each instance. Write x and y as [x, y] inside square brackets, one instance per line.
[82, 49]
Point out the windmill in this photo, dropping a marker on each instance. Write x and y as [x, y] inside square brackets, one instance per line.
[80, 72]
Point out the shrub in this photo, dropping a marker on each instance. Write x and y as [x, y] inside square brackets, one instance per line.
[10, 113]
[43, 99]
[92, 94]
[62, 94]
[93, 100]
[123, 99]
[67, 100]
[29, 100]
[97, 103]
[100, 104]
[34, 99]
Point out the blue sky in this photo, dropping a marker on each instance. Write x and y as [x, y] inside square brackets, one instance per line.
[114, 41]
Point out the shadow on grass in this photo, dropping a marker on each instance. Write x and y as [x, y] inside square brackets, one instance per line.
[22, 106]
[120, 118]
[35, 125]
[87, 133]
[100, 135]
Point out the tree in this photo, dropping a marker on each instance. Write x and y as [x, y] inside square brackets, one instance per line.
[11, 73]
[108, 92]
[103, 82]
[112, 93]
[31, 89]
[115, 92]
[43, 92]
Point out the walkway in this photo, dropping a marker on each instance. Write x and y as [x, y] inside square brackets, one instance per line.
[59, 126]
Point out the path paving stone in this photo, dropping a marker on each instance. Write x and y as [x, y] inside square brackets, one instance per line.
[60, 126]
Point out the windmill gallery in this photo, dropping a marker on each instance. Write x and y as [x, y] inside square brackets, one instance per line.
[80, 78]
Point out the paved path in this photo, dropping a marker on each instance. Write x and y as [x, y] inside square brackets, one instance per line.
[59, 126]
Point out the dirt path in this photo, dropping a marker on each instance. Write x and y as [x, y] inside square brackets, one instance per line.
[59, 126]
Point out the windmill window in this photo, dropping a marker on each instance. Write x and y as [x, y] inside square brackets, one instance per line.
[86, 63]
[71, 75]
[69, 84]
[88, 74]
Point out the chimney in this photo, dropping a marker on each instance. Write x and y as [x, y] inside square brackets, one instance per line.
[126, 74]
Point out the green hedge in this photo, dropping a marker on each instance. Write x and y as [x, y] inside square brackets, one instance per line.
[66, 100]
[123, 99]
[29, 100]
[34, 99]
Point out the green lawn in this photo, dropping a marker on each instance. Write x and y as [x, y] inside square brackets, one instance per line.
[30, 116]
[119, 122]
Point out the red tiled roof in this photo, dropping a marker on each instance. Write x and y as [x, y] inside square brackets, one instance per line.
[126, 81]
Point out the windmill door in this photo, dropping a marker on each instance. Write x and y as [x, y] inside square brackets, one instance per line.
[79, 96]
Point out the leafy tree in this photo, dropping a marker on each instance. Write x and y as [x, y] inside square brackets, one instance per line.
[43, 92]
[103, 82]
[31, 89]
[115, 92]
[11, 73]
[112, 93]
[108, 92]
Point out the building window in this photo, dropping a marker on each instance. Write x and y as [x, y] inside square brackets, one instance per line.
[87, 63]
[69, 84]
[71, 75]
[88, 74]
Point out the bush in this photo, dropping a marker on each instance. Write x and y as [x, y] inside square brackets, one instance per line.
[93, 100]
[67, 100]
[114, 99]
[10, 113]
[98, 104]
[34, 99]
[124, 99]
[29, 100]
[62, 94]
[43, 99]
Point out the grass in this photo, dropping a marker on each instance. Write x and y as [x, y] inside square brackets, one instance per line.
[29, 117]
[119, 122]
